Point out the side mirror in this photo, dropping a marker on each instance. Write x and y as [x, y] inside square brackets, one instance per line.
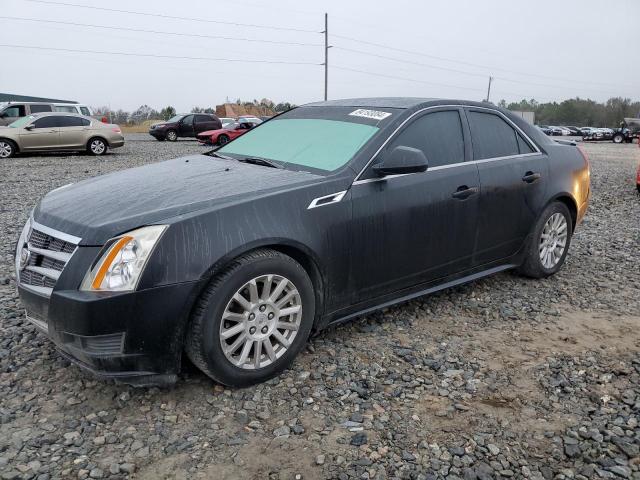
[402, 160]
[29, 127]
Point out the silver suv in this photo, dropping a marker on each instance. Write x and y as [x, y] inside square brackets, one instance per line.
[12, 111]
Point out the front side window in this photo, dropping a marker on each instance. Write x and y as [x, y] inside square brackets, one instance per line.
[492, 137]
[438, 134]
[40, 108]
[188, 120]
[316, 139]
[14, 111]
[50, 121]
[85, 111]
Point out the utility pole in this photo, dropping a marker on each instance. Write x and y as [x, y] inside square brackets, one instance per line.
[489, 89]
[326, 54]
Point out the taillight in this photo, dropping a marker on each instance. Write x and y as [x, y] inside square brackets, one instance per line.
[116, 129]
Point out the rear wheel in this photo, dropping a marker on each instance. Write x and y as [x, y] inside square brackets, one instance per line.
[97, 146]
[7, 148]
[171, 135]
[618, 138]
[252, 319]
[549, 243]
[223, 140]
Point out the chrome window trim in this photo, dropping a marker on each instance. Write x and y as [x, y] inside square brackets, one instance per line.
[359, 181]
[334, 198]
[444, 167]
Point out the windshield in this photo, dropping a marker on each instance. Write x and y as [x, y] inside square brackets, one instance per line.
[297, 139]
[175, 118]
[22, 122]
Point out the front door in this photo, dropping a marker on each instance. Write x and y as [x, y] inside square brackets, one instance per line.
[44, 135]
[418, 227]
[513, 175]
[185, 128]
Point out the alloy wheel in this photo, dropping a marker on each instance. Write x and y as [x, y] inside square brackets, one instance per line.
[6, 149]
[98, 147]
[172, 136]
[260, 321]
[553, 240]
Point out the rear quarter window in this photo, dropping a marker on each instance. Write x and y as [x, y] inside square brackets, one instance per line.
[40, 108]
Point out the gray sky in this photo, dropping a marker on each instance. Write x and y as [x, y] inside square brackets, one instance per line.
[543, 49]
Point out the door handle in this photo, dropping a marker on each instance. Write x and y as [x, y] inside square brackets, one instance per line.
[531, 177]
[464, 192]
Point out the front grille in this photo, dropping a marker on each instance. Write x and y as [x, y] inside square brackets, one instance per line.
[41, 257]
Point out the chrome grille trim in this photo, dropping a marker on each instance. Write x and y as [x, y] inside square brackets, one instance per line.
[48, 253]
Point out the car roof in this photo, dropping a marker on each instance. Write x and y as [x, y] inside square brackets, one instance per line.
[399, 102]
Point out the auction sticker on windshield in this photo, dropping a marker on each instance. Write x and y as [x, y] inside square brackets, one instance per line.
[372, 114]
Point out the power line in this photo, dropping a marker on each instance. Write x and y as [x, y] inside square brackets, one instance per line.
[462, 72]
[161, 32]
[151, 55]
[174, 17]
[470, 64]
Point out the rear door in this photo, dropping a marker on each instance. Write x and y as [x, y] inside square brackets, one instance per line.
[416, 228]
[513, 177]
[204, 123]
[73, 132]
[44, 135]
[185, 128]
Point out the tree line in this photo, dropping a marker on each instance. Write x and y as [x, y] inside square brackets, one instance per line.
[578, 111]
[145, 112]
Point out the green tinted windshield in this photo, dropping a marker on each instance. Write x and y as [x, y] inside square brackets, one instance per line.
[315, 143]
[22, 121]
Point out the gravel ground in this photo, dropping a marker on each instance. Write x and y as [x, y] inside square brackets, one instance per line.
[504, 377]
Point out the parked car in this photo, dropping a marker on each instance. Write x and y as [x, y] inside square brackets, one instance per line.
[50, 132]
[545, 129]
[12, 111]
[555, 131]
[184, 125]
[249, 118]
[574, 131]
[236, 255]
[226, 134]
[586, 131]
[227, 121]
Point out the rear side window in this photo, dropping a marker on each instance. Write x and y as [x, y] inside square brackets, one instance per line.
[70, 122]
[85, 111]
[438, 135]
[492, 137]
[203, 119]
[47, 122]
[40, 108]
[64, 108]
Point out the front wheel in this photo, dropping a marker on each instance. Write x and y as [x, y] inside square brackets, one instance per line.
[618, 138]
[223, 140]
[7, 149]
[171, 135]
[97, 146]
[548, 246]
[252, 319]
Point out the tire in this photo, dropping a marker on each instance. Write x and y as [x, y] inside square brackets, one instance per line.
[7, 149]
[97, 146]
[223, 140]
[618, 138]
[533, 265]
[171, 135]
[209, 335]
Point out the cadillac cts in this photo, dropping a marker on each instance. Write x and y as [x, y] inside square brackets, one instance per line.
[319, 215]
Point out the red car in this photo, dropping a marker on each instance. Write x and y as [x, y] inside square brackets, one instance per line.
[225, 135]
[638, 179]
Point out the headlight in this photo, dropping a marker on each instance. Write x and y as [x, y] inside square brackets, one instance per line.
[123, 261]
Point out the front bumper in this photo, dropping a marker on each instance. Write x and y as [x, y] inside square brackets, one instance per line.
[157, 133]
[133, 337]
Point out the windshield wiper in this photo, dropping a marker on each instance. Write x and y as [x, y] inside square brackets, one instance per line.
[213, 153]
[260, 161]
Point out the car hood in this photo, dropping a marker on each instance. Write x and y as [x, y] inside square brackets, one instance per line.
[214, 132]
[102, 207]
